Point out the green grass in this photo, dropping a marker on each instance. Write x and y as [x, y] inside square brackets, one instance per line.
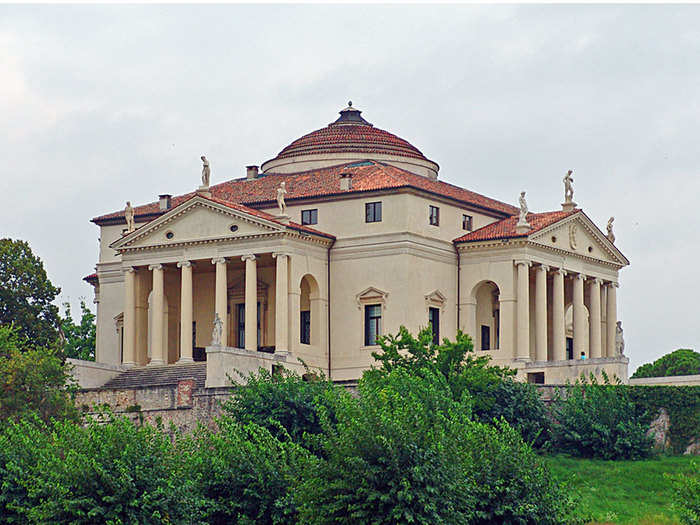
[623, 491]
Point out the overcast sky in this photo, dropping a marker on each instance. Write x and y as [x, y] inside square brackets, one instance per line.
[100, 104]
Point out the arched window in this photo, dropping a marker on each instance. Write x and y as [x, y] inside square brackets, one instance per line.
[488, 317]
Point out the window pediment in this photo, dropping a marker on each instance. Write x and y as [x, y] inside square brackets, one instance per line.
[371, 295]
[435, 299]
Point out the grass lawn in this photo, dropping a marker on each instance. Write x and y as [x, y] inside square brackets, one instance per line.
[624, 491]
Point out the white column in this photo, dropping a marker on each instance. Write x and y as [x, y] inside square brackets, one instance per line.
[594, 337]
[185, 311]
[579, 317]
[129, 346]
[157, 319]
[523, 318]
[251, 303]
[603, 317]
[611, 319]
[558, 320]
[220, 296]
[541, 312]
[281, 303]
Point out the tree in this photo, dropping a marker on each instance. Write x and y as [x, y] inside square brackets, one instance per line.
[32, 380]
[79, 338]
[26, 294]
[681, 362]
[492, 390]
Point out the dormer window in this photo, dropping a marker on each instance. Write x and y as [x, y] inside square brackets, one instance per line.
[434, 216]
[467, 223]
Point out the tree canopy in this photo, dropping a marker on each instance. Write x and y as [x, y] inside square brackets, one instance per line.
[79, 338]
[681, 362]
[26, 294]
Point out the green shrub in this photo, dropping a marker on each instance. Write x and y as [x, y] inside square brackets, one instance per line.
[284, 403]
[509, 482]
[114, 472]
[21, 445]
[243, 474]
[520, 404]
[406, 452]
[599, 420]
[493, 392]
[687, 496]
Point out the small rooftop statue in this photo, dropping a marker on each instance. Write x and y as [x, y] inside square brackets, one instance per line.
[568, 204]
[218, 330]
[281, 192]
[129, 216]
[611, 235]
[206, 172]
[619, 339]
[522, 226]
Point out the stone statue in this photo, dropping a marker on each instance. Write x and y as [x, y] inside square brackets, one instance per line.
[281, 192]
[611, 235]
[619, 339]
[568, 187]
[206, 172]
[129, 216]
[218, 330]
[523, 207]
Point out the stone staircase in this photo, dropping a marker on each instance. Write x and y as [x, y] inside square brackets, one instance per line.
[159, 375]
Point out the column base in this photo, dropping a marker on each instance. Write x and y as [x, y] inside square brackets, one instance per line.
[156, 362]
[129, 364]
[184, 360]
[282, 353]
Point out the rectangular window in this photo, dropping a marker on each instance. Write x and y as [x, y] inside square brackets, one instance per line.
[309, 216]
[434, 216]
[373, 323]
[434, 320]
[467, 222]
[305, 328]
[485, 337]
[569, 347]
[373, 212]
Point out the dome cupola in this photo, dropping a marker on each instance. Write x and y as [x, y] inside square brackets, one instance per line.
[350, 138]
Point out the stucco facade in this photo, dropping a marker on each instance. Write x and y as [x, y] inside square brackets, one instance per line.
[370, 240]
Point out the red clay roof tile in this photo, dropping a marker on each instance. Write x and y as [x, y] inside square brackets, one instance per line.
[505, 229]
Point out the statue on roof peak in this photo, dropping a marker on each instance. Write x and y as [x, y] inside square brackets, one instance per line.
[206, 172]
[129, 216]
[568, 187]
[281, 192]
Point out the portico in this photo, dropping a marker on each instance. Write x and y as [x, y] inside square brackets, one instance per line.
[253, 283]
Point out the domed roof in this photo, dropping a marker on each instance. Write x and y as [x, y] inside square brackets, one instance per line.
[350, 136]
[350, 133]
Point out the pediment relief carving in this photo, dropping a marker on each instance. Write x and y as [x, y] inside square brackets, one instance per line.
[196, 221]
[578, 235]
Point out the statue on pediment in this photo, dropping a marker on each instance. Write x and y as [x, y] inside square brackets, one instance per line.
[281, 192]
[206, 172]
[568, 187]
[129, 216]
[218, 331]
[522, 220]
[611, 235]
[619, 339]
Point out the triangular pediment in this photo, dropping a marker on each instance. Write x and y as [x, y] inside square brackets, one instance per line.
[371, 295]
[578, 235]
[197, 220]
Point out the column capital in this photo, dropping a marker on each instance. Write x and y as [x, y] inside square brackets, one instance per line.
[581, 276]
[542, 267]
[218, 260]
[613, 284]
[561, 271]
[129, 269]
[522, 261]
[596, 280]
[155, 266]
[248, 257]
[184, 264]
[280, 254]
